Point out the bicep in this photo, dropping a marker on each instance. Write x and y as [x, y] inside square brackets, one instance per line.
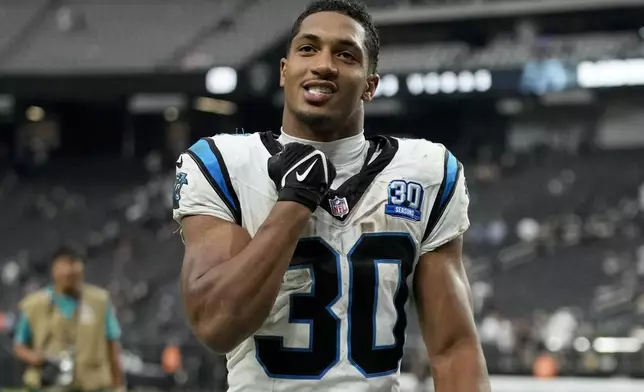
[209, 241]
[210, 227]
[443, 297]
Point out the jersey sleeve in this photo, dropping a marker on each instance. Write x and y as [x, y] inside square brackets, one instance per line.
[112, 326]
[22, 334]
[449, 214]
[203, 185]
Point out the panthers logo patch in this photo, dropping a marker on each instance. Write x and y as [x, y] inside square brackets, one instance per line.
[181, 180]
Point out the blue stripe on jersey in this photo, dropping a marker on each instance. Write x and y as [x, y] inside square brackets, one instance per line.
[446, 190]
[451, 173]
[202, 150]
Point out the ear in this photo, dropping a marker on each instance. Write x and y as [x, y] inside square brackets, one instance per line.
[283, 65]
[370, 88]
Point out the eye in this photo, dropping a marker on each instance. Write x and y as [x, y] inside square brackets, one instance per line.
[347, 56]
[305, 49]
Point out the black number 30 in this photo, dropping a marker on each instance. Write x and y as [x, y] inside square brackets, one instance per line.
[314, 308]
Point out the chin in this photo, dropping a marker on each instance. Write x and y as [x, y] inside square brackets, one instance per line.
[73, 289]
[315, 118]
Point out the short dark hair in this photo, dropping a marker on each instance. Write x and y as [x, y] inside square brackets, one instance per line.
[71, 251]
[354, 10]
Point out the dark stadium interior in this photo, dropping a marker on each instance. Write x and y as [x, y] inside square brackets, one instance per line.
[555, 252]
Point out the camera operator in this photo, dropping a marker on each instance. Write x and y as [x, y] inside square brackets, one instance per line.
[68, 335]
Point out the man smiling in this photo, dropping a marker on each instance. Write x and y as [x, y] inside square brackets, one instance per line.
[301, 251]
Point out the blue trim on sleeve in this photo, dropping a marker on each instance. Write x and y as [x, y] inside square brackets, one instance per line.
[451, 171]
[215, 168]
[451, 174]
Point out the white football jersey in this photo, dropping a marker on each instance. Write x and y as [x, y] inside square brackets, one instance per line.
[339, 321]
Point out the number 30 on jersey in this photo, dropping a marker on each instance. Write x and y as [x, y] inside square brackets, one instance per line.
[365, 261]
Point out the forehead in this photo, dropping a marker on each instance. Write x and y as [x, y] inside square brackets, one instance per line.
[333, 26]
[66, 260]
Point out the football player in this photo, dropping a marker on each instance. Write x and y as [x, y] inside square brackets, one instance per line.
[302, 250]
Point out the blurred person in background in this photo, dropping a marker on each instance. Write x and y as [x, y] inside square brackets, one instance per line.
[68, 334]
[498, 330]
[559, 331]
[265, 276]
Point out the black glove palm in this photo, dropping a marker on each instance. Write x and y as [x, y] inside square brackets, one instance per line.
[301, 174]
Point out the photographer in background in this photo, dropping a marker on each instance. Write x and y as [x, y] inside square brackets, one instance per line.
[68, 335]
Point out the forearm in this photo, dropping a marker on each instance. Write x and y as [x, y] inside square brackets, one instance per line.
[461, 368]
[115, 364]
[27, 355]
[117, 377]
[232, 299]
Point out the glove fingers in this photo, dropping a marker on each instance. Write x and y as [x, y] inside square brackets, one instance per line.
[299, 175]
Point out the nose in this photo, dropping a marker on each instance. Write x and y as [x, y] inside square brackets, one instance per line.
[325, 67]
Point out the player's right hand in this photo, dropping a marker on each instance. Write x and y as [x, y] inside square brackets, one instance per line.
[301, 174]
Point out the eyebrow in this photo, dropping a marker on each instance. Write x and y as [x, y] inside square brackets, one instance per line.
[343, 42]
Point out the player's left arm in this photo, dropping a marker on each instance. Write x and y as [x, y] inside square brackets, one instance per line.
[442, 291]
[113, 335]
[444, 309]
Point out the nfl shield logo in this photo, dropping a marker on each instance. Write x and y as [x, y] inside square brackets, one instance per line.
[339, 206]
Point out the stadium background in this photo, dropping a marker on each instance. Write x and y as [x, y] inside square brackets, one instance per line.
[542, 100]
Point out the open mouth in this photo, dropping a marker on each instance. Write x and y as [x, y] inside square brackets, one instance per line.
[318, 93]
[319, 90]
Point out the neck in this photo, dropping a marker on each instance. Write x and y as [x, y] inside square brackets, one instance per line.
[70, 292]
[342, 152]
[352, 126]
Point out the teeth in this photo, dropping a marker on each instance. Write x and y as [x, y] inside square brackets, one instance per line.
[320, 90]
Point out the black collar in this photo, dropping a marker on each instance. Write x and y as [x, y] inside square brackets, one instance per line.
[351, 191]
[270, 142]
